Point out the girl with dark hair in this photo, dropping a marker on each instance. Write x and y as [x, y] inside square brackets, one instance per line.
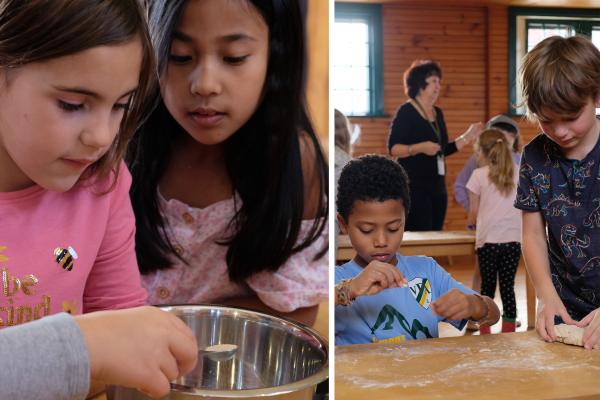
[230, 183]
[74, 76]
[419, 140]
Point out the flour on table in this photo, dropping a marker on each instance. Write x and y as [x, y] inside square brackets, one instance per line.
[569, 334]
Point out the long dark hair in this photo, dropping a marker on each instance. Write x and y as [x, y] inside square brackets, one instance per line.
[262, 158]
[39, 30]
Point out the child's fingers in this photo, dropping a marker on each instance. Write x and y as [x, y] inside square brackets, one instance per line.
[381, 278]
[567, 318]
[454, 312]
[549, 326]
[157, 387]
[398, 277]
[540, 327]
[585, 321]
[183, 346]
[591, 337]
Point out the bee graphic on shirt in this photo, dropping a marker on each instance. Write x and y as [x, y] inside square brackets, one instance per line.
[65, 257]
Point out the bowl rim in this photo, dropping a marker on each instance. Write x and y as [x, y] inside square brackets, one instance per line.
[321, 375]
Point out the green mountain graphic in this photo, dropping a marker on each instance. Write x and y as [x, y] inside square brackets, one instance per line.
[389, 313]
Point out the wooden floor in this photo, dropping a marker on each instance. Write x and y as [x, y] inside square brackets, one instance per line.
[462, 270]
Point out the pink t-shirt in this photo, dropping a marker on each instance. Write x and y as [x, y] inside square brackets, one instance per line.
[498, 221]
[43, 232]
[300, 282]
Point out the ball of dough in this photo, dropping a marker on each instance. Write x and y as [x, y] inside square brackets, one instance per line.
[569, 334]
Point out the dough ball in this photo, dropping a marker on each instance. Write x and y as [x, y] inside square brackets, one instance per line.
[569, 334]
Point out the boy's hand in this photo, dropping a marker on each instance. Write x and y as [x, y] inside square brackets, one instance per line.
[455, 305]
[547, 310]
[375, 277]
[591, 334]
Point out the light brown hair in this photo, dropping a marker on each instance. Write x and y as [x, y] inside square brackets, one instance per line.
[342, 131]
[39, 30]
[494, 147]
[560, 75]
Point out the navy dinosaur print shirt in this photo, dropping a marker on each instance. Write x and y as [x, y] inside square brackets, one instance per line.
[567, 193]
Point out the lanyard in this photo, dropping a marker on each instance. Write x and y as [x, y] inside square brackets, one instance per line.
[434, 125]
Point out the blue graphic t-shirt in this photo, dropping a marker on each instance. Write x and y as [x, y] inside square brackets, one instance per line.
[567, 193]
[397, 314]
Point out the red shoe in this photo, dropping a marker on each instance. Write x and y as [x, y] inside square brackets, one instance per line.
[508, 326]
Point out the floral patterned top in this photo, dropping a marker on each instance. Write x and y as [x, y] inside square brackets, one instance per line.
[300, 282]
[567, 193]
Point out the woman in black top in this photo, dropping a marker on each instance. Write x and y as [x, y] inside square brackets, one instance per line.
[419, 140]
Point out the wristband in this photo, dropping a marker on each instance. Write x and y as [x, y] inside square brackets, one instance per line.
[342, 293]
[487, 318]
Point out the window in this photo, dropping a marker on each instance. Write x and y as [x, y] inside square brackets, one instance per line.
[357, 60]
[529, 26]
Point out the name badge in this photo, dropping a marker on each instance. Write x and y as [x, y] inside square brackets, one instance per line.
[441, 167]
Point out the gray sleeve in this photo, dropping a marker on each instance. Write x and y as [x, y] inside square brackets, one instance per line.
[44, 359]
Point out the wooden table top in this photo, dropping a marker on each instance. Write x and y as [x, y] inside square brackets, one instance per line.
[502, 366]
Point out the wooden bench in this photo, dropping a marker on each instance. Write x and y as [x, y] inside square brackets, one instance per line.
[438, 244]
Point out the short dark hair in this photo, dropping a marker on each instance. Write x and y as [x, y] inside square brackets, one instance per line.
[415, 77]
[371, 178]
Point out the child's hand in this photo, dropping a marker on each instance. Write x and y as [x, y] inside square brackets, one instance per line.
[591, 334]
[544, 322]
[141, 348]
[375, 277]
[454, 305]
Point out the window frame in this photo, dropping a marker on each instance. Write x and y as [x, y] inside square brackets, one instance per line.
[371, 14]
[583, 20]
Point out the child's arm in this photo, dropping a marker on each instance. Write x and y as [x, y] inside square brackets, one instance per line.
[58, 355]
[376, 277]
[473, 208]
[456, 305]
[535, 253]
[461, 194]
[591, 335]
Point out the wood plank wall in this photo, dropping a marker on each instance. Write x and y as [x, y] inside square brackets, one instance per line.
[471, 44]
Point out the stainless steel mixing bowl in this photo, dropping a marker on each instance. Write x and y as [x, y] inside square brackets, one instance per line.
[274, 357]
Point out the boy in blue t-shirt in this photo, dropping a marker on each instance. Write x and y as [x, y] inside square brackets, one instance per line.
[559, 185]
[382, 296]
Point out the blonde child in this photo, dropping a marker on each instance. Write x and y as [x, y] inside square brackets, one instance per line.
[559, 190]
[230, 184]
[492, 189]
[73, 79]
[381, 295]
